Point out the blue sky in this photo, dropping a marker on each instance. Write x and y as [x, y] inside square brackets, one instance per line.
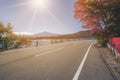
[56, 16]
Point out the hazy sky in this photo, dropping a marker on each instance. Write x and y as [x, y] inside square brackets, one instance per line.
[55, 16]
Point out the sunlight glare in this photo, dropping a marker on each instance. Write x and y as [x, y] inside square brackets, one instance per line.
[39, 3]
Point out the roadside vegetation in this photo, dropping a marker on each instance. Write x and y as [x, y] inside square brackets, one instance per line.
[9, 40]
[101, 16]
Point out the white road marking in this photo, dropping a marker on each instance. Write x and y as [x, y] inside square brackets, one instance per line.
[49, 51]
[77, 74]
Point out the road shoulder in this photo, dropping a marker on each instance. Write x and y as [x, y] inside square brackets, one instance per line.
[111, 62]
[95, 68]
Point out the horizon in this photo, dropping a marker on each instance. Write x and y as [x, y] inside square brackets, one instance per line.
[27, 33]
[29, 16]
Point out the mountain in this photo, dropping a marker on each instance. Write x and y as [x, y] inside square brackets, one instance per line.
[80, 34]
[48, 35]
[83, 34]
[45, 34]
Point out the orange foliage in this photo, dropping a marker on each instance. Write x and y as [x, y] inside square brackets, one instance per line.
[83, 13]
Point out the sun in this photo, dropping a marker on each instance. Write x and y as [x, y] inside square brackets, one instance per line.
[39, 3]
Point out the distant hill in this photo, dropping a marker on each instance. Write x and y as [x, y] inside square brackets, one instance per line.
[44, 34]
[48, 35]
[80, 34]
[83, 34]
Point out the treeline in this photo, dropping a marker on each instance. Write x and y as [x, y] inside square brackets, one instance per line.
[9, 40]
[101, 16]
[58, 37]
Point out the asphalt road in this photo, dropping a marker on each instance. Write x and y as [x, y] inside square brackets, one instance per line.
[78, 60]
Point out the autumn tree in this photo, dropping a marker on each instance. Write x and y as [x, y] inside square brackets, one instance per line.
[101, 16]
[23, 40]
[10, 40]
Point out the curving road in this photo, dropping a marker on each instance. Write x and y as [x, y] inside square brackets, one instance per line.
[77, 60]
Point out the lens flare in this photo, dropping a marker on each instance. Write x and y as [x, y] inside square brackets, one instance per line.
[39, 3]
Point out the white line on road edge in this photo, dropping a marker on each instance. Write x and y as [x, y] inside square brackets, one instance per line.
[49, 52]
[77, 74]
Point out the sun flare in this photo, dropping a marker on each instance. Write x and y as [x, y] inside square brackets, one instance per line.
[39, 3]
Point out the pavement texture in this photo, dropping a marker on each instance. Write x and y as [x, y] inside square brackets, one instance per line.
[95, 68]
[111, 62]
[54, 62]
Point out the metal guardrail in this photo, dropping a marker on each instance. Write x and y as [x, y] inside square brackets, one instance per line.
[113, 50]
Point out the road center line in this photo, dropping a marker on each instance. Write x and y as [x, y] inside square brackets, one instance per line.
[48, 52]
[77, 74]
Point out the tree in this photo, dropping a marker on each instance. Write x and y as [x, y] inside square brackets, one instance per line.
[6, 34]
[10, 40]
[2, 29]
[23, 40]
[103, 16]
